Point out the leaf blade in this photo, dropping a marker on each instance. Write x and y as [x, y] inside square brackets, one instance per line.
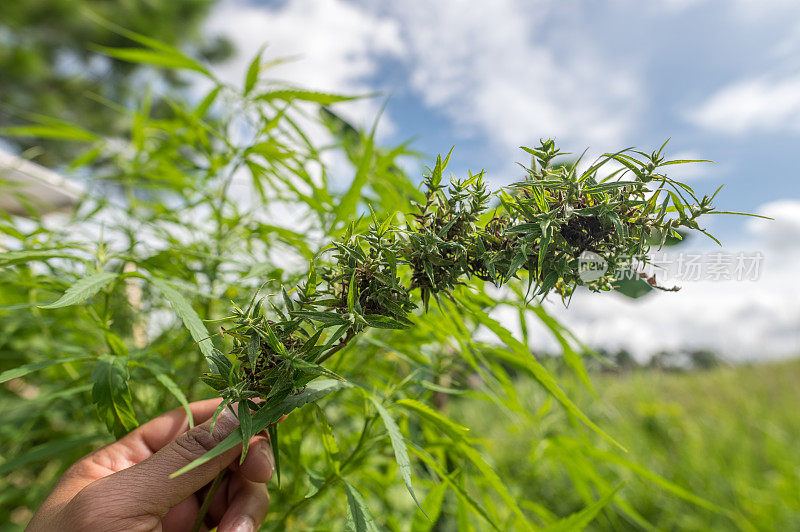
[360, 518]
[187, 315]
[268, 415]
[21, 371]
[82, 290]
[399, 446]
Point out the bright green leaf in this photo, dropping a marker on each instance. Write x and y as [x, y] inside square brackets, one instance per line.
[83, 289]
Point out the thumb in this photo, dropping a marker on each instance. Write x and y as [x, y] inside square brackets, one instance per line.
[147, 487]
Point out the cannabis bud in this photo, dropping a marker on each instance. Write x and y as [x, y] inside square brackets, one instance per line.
[541, 229]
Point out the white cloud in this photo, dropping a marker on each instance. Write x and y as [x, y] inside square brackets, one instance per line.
[742, 7]
[339, 46]
[740, 320]
[497, 68]
[782, 233]
[763, 104]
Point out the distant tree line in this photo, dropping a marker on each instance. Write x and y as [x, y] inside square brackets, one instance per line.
[622, 360]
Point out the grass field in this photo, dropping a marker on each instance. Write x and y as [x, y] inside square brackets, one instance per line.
[729, 435]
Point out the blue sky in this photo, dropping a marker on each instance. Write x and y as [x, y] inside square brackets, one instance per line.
[721, 78]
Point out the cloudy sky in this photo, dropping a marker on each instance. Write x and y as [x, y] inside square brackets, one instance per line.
[721, 78]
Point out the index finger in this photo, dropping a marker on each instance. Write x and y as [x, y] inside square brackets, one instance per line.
[163, 429]
[129, 450]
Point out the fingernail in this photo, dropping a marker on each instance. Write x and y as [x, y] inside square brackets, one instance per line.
[244, 524]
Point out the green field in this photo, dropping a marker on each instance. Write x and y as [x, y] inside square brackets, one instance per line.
[729, 435]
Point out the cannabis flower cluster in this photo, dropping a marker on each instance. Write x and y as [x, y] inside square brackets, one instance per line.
[536, 230]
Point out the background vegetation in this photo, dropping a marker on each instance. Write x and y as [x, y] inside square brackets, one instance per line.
[726, 434]
[51, 64]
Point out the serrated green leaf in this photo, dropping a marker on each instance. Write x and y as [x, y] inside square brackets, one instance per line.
[328, 318]
[245, 427]
[525, 228]
[347, 205]
[214, 381]
[170, 385]
[316, 480]
[351, 294]
[544, 243]
[220, 364]
[203, 107]
[315, 369]
[632, 285]
[685, 161]
[187, 314]
[384, 322]
[329, 442]
[359, 518]
[253, 350]
[338, 333]
[453, 429]
[272, 340]
[252, 72]
[162, 58]
[83, 290]
[272, 430]
[217, 411]
[10, 258]
[270, 150]
[399, 446]
[111, 394]
[56, 131]
[115, 344]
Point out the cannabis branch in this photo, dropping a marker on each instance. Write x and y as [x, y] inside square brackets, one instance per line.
[541, 225]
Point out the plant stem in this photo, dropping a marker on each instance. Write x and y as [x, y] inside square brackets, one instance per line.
[333, 478]
[350, 334]
[201, 513]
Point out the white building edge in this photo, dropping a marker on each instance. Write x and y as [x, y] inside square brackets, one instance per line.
[24, 181]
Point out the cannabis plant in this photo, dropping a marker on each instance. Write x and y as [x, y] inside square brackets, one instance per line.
[381, 291]
[540, 230]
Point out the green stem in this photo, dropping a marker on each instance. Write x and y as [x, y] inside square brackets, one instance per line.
[201, 513]
[333, 478]
[350, 335]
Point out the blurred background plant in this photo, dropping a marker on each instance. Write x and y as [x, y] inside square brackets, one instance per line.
[50, 64]
[194, 201]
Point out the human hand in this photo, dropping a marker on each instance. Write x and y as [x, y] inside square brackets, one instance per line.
[126, 485]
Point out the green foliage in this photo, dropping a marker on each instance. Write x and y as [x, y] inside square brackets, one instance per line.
[726, 436]
[360, 519]
[111, 394]
[50, 60]
[542, 227]
[83, 289]
[187, 212]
